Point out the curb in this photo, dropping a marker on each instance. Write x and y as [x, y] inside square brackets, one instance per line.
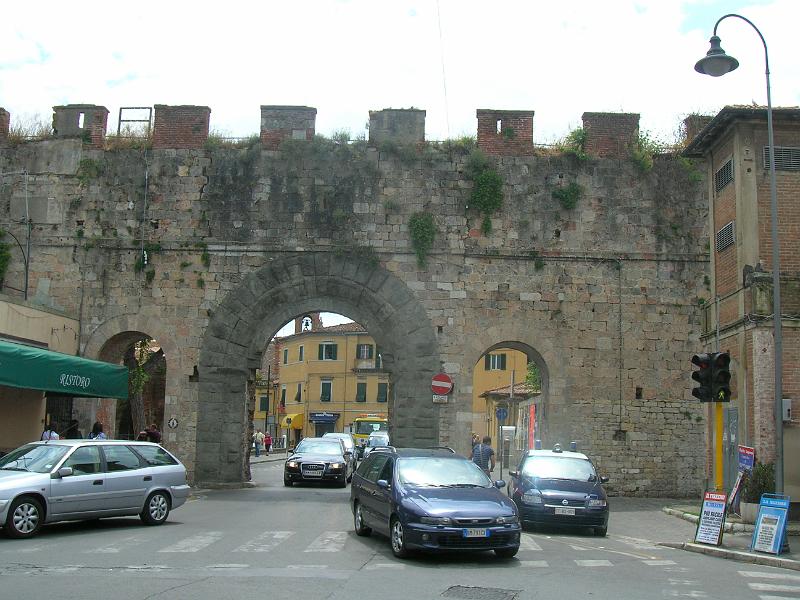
[727, 528]
[749, 557]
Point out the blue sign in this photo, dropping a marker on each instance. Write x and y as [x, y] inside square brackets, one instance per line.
[501, 414]
[770, 529]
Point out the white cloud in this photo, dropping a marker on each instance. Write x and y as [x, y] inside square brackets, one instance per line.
[349, 57]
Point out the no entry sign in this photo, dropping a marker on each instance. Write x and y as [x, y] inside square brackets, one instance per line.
[441, 384]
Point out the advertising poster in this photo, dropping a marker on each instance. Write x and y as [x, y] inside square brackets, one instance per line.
[712, 519]
[770, 529]
[747, 458]
[531, 425]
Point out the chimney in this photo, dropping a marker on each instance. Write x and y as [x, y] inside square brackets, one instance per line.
[610, 135]
[505, 132]
[180, 127]
[280, 123]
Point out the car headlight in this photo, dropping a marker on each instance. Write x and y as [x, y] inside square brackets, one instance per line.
[337, 465]
[436, 520]
[596, 502]
[510, 520]
[532, 497]
[292, 464]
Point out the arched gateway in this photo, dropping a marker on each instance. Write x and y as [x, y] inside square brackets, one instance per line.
[241, 326]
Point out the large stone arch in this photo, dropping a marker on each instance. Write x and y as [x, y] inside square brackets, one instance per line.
[242, 325]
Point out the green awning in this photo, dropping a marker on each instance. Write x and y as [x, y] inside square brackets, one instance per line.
[37, 369]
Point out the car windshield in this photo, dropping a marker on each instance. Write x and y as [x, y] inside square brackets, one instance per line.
[367, 427]
[430, 471]
[377, 440]
[555, 467]
[36, 458]
[348, 441]
[331, 447]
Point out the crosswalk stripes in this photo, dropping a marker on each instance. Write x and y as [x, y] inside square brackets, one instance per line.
[328, 541]
[265, 542]
[194, 543]
[773, 582]
[118, 546]
[526, 542]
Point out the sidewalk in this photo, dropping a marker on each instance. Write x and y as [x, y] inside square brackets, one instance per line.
[273, 456]
[736, 540]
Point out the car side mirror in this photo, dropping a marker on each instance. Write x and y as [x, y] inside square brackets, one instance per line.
[383, 484]
[603, 479]
[62, 472]
[499, 484]
[513, 473]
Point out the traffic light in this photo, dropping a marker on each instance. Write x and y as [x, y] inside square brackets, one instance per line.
[720, 377]
[703, 377]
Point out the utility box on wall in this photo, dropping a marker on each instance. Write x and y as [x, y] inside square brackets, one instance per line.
[787, 409]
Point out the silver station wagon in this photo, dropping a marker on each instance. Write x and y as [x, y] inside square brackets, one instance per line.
[68, 480]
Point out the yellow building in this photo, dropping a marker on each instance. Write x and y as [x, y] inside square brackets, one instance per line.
[497, 369]
[322, 378]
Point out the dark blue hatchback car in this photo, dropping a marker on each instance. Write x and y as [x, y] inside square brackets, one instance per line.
[554, 487]
[432, 500]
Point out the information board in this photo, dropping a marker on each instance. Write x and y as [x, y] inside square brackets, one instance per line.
[712, 519]
[770, 529]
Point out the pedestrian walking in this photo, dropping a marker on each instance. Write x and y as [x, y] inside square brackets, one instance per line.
[97, 432]
[483, 455]
[267, 442]
[475, 439]
[153, 434]
[258, 440]
[72, 432]
[49, 433]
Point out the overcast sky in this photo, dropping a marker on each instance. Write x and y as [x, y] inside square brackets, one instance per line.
[347, 57]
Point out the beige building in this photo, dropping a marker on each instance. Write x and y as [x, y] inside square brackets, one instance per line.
[320, 379]
[496, 369]
[24, 409]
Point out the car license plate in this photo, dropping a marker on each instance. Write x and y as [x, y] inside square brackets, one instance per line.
[561, 510]
[472, 532]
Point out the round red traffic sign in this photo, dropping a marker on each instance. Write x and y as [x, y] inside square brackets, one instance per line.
[441, 384]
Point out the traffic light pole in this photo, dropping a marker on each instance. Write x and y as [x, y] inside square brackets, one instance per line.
[719, 481]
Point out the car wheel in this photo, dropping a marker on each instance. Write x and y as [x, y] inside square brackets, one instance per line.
[25, 517]
[156, 509]
[342, 482]
[506, 552]
[398, 538]
[601, 531]
[358, 522]
[287, 482]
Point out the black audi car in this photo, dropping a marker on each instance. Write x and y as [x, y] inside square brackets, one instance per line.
[318, 459]
[554, 487]
[432, 500]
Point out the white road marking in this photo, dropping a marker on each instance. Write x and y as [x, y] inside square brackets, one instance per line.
[194, 543]
[116, 547]
[691, 594]
[306, 566]
[639, 543]
[593, 563]
[375, 566]
[232, 566]
[683, 582]
[578, 548]
[769, 597]
[659, 563]
[534, 564]
[265, 542]
[769, 575]
[328, 541]
[774, 587]
[526, 542]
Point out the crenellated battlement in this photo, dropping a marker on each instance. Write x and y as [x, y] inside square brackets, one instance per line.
[499, 132]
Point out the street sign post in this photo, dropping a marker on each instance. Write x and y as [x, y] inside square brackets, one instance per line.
[441, 384]
[712, 519]
[439, 399]
[501, 413]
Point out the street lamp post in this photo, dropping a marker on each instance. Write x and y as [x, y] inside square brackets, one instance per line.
[717, 63]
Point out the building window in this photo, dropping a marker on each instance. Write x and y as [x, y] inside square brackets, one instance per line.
[300, 354]
[361, 391]
[382, 389]
[327, 351]
[326, 390]
[286, 356]
[299, 394]
[283, 395]
[723, 176]
[726, 237]
[786, 159]
[494, 362]
[364, 351]
[263, 404]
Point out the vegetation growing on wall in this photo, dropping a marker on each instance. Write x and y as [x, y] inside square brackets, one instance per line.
[88, 170]
[644, 150]
[422, 229]
[487, 188]
[568, 195]
[5, 256]
[357, 253]
[29, 129]
[574, 143]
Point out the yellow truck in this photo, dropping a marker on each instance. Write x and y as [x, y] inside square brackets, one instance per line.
[365, 424]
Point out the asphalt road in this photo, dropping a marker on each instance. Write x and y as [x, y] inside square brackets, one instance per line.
[297, 543]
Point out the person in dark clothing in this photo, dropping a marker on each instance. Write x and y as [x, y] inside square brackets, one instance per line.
[72, 432]
[153, 434]
[483, 455]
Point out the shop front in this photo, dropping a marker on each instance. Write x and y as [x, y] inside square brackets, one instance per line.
[324, 422]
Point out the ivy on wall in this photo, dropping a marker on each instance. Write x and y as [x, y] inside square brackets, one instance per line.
[487, 188]
[422, 228]
[5, 256]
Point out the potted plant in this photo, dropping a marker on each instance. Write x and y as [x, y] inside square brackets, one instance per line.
[761, 480]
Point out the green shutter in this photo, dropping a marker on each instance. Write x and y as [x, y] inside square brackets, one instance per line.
[502, 362]
[486, 366]
[361, 392]
[369, 353]
[264, 404]
[382, 392]
[321, 351]
[333, 352]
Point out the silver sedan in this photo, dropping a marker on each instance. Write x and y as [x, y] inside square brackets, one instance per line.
[70, 480]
